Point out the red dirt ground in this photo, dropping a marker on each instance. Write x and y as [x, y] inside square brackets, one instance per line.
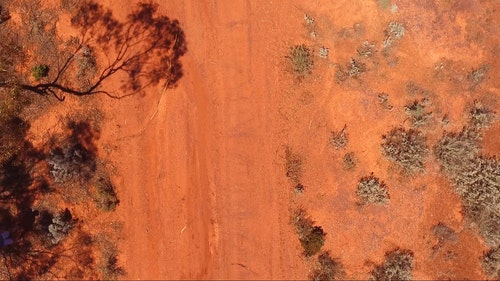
[200, 168]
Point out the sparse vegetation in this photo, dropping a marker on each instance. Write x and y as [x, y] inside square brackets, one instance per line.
[338, 139]
[327, 268]
[398, 265]
[491, 263]
[406, 148]
[301, 59]
[372, 190]
[311, 237]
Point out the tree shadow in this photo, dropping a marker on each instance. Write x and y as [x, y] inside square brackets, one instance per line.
[143, 50]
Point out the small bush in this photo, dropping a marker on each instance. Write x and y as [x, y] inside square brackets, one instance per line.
[367, 49]
[398, 265]
[408, 149]
[349, 161]
[477, 75]
[40, 71]
[480, 116]
[109, 262]
[338, 139]
[293, 166]
[327, 269]
[71, 163]
[311, 237]
[455, 148]
[61, 225]
[417, 113]
[106, 198]
[372, 190]
[491, 263]
[301, 59]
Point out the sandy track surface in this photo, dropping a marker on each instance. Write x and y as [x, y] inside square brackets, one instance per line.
[197, 202]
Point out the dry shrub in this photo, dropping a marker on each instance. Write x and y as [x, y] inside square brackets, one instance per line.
[372, 190]
[105, 198]
[475, 177]
[406, 148]
[349, 161]
[398, 265]
[327, 268]
[491, 263]
[301, 59]
[293, 166]
[311, 237]
[338, 139]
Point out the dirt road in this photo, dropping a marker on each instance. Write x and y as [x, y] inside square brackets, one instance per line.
[196, 201]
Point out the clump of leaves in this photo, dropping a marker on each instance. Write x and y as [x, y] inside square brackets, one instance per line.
[349, 161]
[372, 190]
[40, 71]
[406, 148]
[293, 166]
[301, 59]
[311, 237]
[491, 263]
[327, 268]
[338, 139]
[398, 265]
[417, 113]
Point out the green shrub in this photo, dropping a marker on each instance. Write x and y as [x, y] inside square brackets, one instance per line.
[406, 148]
[311, 237]
[327, 269]
[40, 71]
[301, 59]
[372, 190]
[398, 265]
